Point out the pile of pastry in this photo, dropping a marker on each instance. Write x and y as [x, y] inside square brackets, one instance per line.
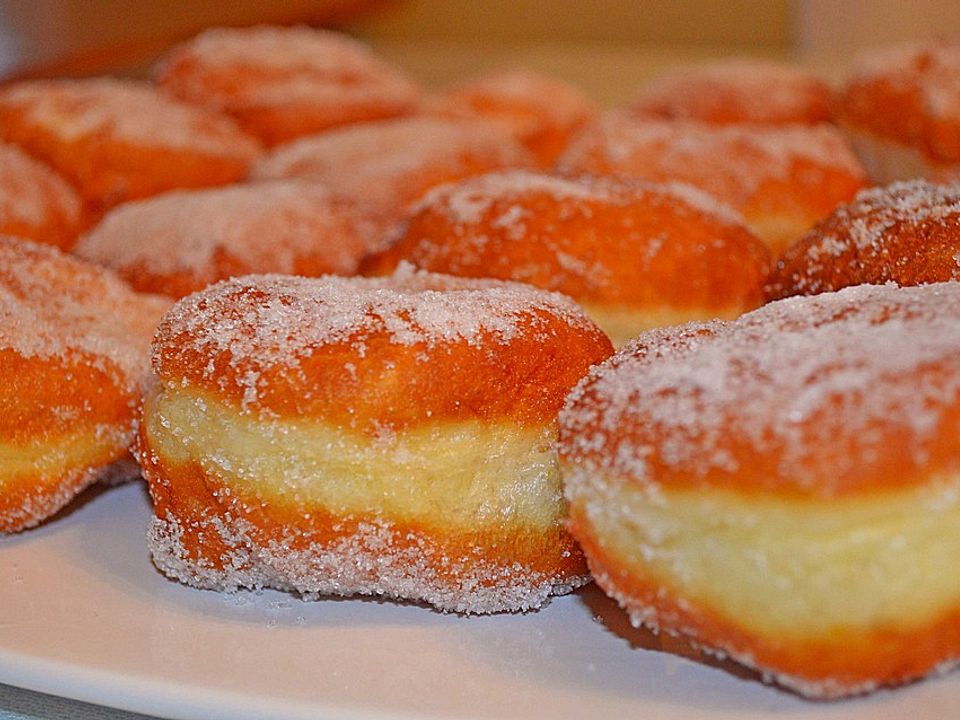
[359, 339]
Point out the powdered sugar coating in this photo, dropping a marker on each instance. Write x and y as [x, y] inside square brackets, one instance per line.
[35, 201]
[906, 232]
[53, 306]
[269, 227]
[237, 69]
[909, 92]
[125, 110]
[820, 395]
[737, 89]
[391, 163]
[731, 162]
[262, 322]
[368, 562]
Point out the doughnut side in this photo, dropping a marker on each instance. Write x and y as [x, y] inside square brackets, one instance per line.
[887, 160]
[464, 515]
[623, 324]
[62, 423]
[828, 597]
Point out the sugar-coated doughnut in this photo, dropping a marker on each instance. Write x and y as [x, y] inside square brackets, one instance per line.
[901, 110]
[180, 242]
[390, 164]
[284, 83]
[74, 357]
[353, 436]
[35, 202]
[783, 489]
[634, 254]
[539, 111]
[907, 233]
[781, 178]
[737, 90]
[119, 140]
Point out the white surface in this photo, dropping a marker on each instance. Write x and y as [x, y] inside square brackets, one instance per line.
[83, 614]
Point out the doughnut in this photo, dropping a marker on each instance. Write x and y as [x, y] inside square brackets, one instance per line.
[352, 436]
[180, 242]
[119, 140]
[389, 164]
[283, 83]
[633, 254]
[907, 233]
[783, 489]
[901, 110]
[737, 90]
[35, 202]
[74, 357]
[540, 112]
[782, 179]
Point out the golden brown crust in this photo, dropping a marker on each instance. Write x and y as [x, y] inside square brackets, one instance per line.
[907, 233]
[541, 112]
[908, 93]
[616, 242]
[370, 354]
[283, 83]
[738, 90]
[122, 140]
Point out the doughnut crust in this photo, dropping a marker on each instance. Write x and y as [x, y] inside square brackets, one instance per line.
[901, 109]
[119, 140]
[783, 489]
[180, 242]
[283, 83]
[634, 254]
[74, 346]
[907, 233]
[737, 90]
[35, 202]
[539, 111]
[390, 164]
[388, 437]
[782, 179]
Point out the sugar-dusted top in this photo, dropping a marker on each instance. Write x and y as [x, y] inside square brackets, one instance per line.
[610, 241]
[33, 195]
[236, 67]
[53, 306]
[267, 227]
[909, 92]
[396, 347]
[124, 110]
[732, 162]
[392, 162]
[736, 90]
[841, 392]
[907, 232]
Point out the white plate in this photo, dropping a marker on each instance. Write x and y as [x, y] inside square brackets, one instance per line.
[83, 614]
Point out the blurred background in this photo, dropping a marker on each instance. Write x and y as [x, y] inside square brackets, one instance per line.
[608, 46]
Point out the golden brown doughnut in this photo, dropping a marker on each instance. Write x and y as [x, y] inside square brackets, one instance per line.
[907, 233]
[283, 83]
[782, 179]
[783, 489]
[390, 164]
[74, 347]
[352, 436]
[634, 254]
[737, 90]
[539, 111]
[180, 242]
[901, 110]
[119, 140]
